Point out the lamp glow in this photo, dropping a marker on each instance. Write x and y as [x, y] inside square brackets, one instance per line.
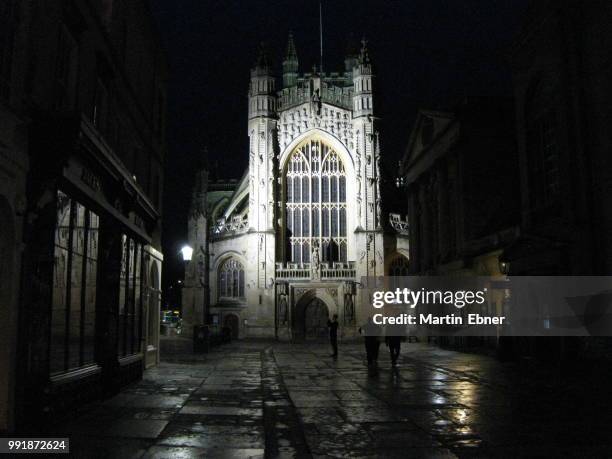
[187, 252]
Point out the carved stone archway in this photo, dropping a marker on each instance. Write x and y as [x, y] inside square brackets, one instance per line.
[309, 317]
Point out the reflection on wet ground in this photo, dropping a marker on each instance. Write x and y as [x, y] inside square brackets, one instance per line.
[256, 399]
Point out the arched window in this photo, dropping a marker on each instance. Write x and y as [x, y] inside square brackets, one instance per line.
[399, 267]
[321, 207]
[231, 279]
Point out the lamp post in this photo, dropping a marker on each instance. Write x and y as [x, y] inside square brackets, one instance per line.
[201, 274]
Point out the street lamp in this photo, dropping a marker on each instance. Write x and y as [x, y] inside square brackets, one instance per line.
[187, 252]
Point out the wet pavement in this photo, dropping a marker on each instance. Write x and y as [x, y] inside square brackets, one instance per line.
[258, 399]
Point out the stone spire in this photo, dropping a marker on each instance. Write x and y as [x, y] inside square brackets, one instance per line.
[290, 64]
[291, 53]
[364, 56]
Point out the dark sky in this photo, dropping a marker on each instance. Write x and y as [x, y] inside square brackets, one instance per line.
[427, 53]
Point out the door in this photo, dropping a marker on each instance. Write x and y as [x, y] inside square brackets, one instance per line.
[316, 316]
[231, 321]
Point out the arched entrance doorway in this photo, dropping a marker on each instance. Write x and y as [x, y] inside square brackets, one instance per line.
[231, 321]
[316, 316]
[310, 318]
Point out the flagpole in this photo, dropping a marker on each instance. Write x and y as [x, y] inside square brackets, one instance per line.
[321, 34]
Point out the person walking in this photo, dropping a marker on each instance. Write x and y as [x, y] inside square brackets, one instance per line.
[393, 339]
[333, 334]
[372, 342]
[394, 343]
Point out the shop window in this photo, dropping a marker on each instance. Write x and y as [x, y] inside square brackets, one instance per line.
[130, 298]
[74, 286]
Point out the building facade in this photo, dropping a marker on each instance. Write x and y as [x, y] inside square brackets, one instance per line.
[562, 94]
[288, 246]
[82, 149]
[460, 174]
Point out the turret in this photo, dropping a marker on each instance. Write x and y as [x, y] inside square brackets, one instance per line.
[290, 64]
[363, 84]
[262, 101]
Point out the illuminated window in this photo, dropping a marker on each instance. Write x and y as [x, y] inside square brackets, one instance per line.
[231, 279]
[320, 213]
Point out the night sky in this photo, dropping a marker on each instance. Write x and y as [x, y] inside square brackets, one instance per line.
[426, 53]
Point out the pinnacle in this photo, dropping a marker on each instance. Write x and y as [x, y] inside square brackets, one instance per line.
[291, 52]
[364, 57]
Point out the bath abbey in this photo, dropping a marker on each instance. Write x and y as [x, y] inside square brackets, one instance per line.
[285, 247]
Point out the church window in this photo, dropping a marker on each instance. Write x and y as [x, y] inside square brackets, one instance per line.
[343, 254]
[334, 222]
[325, 219]
[231, 279]
[289, 189]
[297, 222]
[290, 222]
[399, 267]
[325, 189]
[315, 222]
[296, 190]
[305, 191]
[319, 213]
[305, 223]
[306, 252]
[334, 189]
[315, 189]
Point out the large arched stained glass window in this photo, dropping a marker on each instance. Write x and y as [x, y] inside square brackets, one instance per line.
[315, 205]
[231, 279]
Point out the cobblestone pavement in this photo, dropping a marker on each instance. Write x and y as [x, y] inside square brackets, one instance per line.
[256, 399]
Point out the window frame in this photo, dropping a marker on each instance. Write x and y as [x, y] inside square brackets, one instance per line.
[75, 285]
[312, 163]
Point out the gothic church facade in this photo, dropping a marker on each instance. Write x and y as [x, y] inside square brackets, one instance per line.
[285, 247]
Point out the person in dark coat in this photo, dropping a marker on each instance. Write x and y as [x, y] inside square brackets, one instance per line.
[372, 343]
[394, 343]
[333, 334]
[393, 339]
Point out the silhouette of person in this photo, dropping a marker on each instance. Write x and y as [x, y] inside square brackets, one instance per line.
[372, 343]
[393, 339]
[333, 334]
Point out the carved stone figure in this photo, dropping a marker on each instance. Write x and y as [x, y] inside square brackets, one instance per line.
[316, 261]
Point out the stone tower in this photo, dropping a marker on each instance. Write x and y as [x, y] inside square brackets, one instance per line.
[367, 168]
[262, 127]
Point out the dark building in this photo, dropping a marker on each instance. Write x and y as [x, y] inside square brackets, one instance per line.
[83, 86]
[460, 173]
[562, 73]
